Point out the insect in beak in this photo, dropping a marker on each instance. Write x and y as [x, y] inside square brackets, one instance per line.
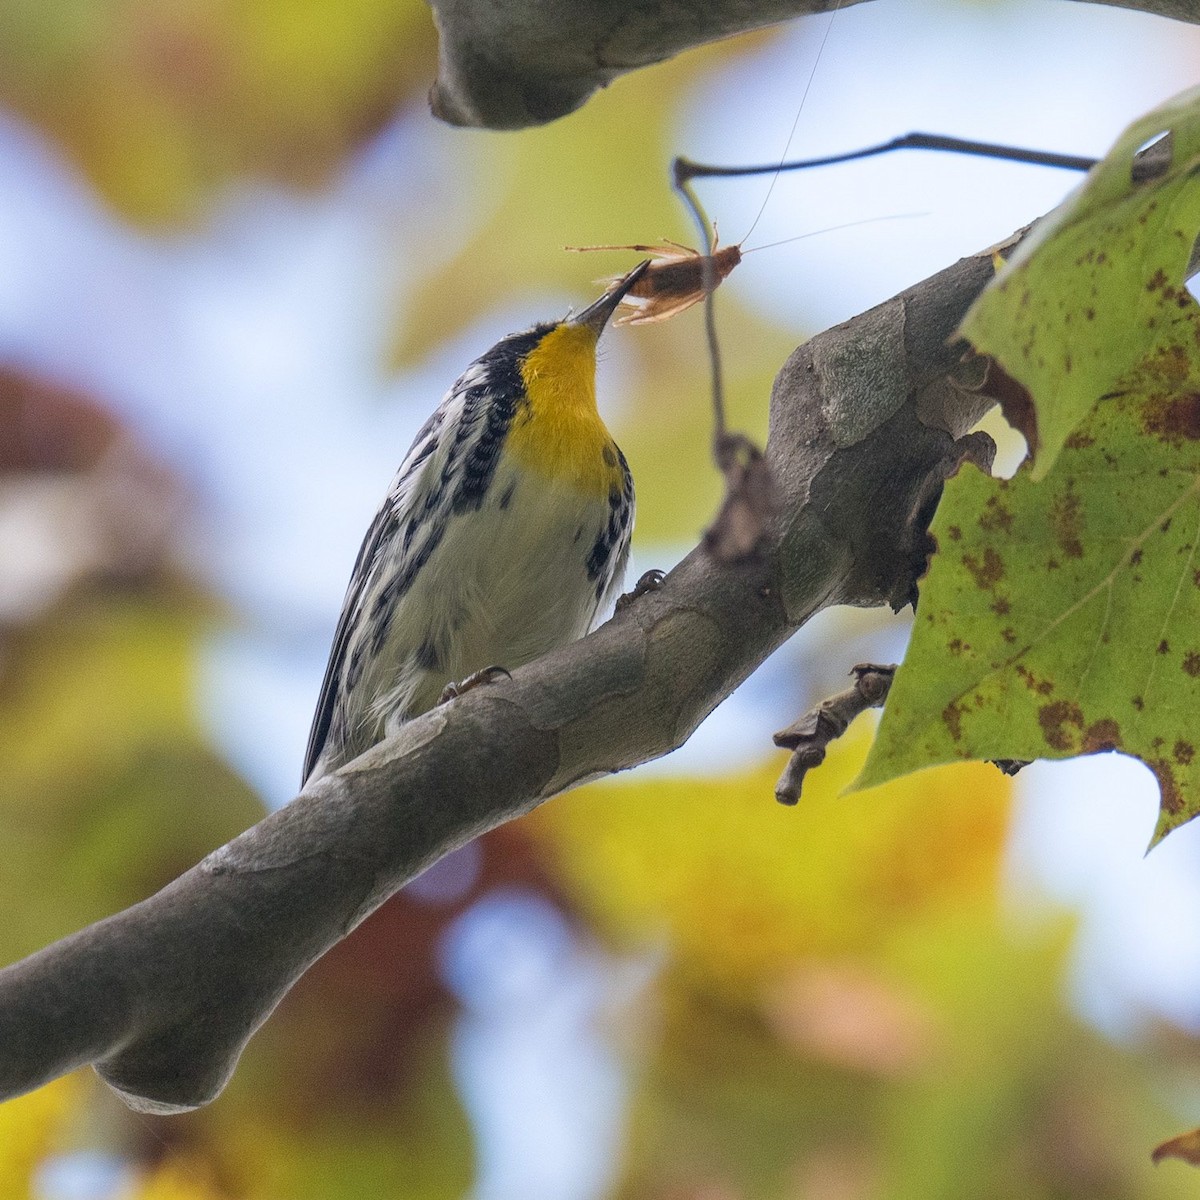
[673, 279]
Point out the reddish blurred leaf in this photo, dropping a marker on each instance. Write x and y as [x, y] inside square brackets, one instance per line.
[851, 1016]
[45, 426]
[1186, 1147]
[79, 499]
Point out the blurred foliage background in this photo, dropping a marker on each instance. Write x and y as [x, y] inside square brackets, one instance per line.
[239, 263]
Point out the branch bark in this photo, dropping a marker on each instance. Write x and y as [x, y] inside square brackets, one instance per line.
[866, 422]
[527, 62]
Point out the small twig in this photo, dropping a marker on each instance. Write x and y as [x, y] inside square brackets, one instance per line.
[750, 501]
[708, 282]
[740, 524]
[686, 170]
[809, 737]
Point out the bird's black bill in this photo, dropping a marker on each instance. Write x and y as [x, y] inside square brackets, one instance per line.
[596, 315]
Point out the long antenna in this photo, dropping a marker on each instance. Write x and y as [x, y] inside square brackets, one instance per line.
[795, 123]
[686, 170]
[799, 237]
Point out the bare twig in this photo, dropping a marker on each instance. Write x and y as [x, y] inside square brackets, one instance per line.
[687, 170]
[708, 282]
[809, 737]
[739, 530]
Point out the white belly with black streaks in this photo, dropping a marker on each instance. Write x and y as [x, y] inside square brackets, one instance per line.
[507, 583]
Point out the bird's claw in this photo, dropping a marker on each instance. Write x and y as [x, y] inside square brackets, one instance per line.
[476, 679]
[651, 581]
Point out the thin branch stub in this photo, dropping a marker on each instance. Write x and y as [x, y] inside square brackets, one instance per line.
[751, 499]
[809, 737]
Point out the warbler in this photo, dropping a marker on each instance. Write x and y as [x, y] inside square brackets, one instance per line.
[504, 533]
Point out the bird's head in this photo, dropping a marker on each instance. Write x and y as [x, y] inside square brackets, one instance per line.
[565, 357]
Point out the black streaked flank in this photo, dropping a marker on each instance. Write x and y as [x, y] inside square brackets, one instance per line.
[620, 506]
[383, 530]
[597, 560]
[402, 580]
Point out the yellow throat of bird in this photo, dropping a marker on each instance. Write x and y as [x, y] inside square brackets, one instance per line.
[558, 431]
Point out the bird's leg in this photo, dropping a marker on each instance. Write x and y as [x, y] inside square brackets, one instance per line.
[651, 581]
[472, 681]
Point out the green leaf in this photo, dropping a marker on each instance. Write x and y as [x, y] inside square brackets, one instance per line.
[1062, 618]
[1088, 295]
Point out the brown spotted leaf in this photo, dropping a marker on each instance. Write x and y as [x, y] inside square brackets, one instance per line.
[1063, 617]
[1088, 295]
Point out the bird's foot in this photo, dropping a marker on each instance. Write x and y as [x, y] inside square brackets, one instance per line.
[651, 581]
[472, 681]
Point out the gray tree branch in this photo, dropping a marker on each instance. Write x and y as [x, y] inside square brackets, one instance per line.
[866, 422]
[526, 62]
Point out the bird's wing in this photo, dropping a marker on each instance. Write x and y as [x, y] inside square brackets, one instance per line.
[448, 468]
[421, 468]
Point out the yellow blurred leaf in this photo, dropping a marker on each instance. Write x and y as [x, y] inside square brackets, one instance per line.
[178, 1178]
[162, 103]
[29, 1129]
[737, 888]
[84, 684]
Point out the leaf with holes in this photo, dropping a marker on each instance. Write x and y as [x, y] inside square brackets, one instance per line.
[1088, 295]
[1063, 617]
